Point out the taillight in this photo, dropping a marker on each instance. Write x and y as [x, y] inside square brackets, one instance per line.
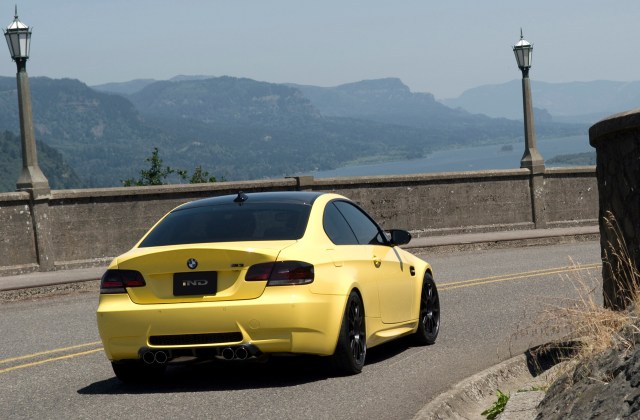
[116, 281]
[281, 273]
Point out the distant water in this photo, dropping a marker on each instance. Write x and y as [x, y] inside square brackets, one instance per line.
[465, 159]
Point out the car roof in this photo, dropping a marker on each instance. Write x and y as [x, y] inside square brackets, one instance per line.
[294, 197]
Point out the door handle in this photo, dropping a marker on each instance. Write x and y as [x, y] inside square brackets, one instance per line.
[377, 262]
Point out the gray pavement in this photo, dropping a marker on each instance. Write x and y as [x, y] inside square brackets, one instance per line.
[463, 401]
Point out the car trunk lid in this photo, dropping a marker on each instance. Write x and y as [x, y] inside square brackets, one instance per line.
[198, 273]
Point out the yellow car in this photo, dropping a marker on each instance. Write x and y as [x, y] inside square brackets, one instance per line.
[249, 275]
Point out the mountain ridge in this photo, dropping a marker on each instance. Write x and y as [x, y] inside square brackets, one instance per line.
[576, 101]
[239, 128]
[585, 102]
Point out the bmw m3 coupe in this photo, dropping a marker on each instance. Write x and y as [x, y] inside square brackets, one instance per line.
[250, 275]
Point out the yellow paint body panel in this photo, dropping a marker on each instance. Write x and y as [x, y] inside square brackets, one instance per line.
[284, 319]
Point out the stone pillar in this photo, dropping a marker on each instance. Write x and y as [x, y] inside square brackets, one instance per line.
[617, 143]
[31, 177]
[531, 159]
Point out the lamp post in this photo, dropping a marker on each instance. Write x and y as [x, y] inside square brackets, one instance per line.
[531, 159]
[31, 178]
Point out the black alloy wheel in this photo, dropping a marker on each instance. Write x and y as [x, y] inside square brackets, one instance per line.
[429, 322]
[352, 346]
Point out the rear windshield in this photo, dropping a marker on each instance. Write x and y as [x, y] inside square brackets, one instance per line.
[231, 222]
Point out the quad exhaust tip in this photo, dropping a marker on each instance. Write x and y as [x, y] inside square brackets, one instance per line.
[239, 353]
[151, 357]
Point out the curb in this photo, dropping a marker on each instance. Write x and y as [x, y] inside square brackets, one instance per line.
[50, 278]
[471, 396]
[505, 239]
[465, 399]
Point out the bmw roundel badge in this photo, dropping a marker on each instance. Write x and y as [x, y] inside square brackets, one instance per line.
[192, 263]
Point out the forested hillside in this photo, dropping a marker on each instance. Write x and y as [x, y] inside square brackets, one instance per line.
[101, 136]
[243, 129]
[59, 174]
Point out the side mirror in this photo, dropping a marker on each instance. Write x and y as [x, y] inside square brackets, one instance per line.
[399, 237]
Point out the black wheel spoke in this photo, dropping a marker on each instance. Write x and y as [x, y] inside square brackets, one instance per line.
[356, 332]
[429, 315]
[352, 346]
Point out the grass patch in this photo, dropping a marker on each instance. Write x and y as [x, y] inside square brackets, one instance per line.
[497, 407]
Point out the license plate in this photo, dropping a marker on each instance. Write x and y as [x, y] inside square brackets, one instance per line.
[199, 283]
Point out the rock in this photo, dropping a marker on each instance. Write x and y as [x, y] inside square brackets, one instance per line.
[603, 388]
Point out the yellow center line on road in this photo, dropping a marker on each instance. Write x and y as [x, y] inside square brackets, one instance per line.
[516, 276]
[53, 359]
[42, 353]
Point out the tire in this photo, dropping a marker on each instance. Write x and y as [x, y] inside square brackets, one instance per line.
[429, 316]
[136, 371]
[351, 349]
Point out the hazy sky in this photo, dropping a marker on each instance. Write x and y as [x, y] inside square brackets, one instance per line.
[442, 47]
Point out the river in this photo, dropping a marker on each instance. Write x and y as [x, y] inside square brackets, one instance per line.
[464, 159]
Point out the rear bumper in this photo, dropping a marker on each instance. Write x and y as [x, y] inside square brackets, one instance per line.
[287, 319]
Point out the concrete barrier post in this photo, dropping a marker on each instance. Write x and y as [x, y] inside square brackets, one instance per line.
[42, 231]
[304, 183]
[617, 143]
[537, 200]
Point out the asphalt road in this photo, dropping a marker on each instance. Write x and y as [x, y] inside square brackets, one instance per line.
[52, 365]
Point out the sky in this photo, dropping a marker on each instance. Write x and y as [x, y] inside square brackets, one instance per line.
[443, 47]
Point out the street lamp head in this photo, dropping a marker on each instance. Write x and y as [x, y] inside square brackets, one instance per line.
[18, 37]
[523, 50]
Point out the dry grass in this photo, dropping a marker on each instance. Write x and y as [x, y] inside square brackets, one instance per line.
[620, 265]
[593, 328]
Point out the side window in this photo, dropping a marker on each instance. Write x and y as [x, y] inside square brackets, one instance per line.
[336, 227]
[364, 228]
